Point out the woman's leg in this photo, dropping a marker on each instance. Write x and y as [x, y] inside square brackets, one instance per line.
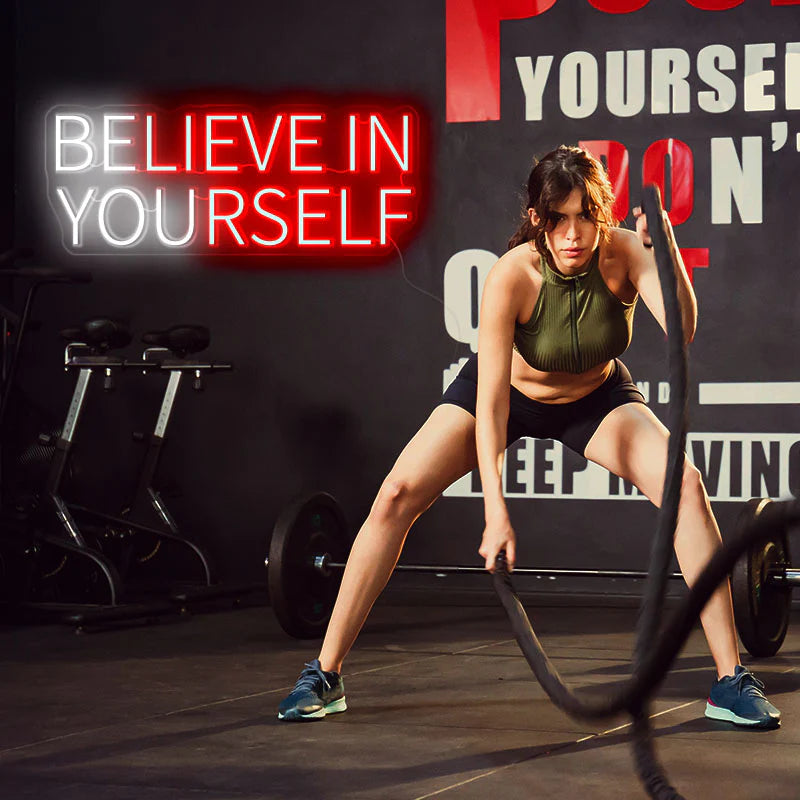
[632, 443]
[441, 452]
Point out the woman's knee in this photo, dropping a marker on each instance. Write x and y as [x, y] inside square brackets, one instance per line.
[692, 487]
[399, 498]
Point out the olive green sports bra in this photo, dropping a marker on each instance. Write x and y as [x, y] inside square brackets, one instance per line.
[577, 323]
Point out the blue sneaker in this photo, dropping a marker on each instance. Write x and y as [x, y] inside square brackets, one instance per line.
[315, 694]
[739, 699]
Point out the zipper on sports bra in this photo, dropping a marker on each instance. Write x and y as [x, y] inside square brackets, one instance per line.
[573, 308]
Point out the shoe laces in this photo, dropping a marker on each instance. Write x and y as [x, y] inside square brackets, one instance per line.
[310, 678]
[747, 683]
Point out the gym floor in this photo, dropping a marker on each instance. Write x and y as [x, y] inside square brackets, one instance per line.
[442, 704]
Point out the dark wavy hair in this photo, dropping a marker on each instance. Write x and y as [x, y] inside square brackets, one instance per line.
[552, 179]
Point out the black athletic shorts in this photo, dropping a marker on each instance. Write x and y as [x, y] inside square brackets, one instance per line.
[571, 423]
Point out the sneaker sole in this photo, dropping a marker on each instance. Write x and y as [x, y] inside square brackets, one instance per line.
[715, 712]
[336, 707]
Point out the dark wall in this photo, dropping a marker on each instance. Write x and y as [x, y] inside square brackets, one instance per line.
[336, 369]
[314, 401]
[7, 67]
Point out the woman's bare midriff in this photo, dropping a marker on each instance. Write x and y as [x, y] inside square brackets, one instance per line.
[555, 387]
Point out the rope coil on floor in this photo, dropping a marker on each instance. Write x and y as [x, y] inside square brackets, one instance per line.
[653, 655]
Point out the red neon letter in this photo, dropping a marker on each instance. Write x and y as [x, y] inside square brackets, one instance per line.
[615, 156]
[294, 142]
[618, 6]
[473, 54]
[150, 147]
[387, 216]
[303, 215]
[681, 175]
[211, 119]
[214, 216]
[786, 2]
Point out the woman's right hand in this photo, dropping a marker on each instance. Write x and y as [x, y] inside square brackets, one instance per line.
[498, 535]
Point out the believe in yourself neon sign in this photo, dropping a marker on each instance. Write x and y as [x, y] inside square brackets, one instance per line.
[322, 179]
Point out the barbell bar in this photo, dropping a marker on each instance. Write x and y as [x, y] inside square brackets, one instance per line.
[310, 543]
[784, 577]
[323, 564]
[775, 577]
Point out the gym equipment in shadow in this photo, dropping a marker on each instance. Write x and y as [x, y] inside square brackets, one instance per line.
[34, 560]
[144, 542]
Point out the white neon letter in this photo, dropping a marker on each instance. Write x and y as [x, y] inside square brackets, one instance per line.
[108, 142]
[79, 142]
[121, 191]
[161, 227]
[75, 214]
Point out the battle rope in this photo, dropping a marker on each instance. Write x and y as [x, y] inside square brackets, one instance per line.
[653, 656]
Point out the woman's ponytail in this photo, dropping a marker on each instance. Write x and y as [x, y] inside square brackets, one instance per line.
[524, 234]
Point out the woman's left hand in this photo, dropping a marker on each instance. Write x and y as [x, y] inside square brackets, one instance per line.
[641, 227]
[498, 535]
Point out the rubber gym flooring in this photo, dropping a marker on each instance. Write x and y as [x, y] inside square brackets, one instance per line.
[441, 705]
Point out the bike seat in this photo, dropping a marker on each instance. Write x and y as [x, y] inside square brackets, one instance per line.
[100, 334]
[180, 339]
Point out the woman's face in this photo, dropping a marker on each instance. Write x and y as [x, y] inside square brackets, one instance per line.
[574, 236]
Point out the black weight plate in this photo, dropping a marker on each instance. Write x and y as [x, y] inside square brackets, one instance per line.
[302, 597]
[761, 609]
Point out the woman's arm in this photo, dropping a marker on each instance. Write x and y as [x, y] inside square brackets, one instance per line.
[502, 294]
[643, 274]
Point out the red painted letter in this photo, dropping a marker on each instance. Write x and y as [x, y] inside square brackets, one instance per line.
[715, 5]
[681, 175]
[615, 156]
[618, 6]
[473, 54]
[694, 258]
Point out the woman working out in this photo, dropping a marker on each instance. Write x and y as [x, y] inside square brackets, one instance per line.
[556, 313]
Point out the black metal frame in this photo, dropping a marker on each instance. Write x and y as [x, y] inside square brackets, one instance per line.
[25, 536]
[147, 513]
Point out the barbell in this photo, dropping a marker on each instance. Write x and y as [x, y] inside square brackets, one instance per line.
[310, 543]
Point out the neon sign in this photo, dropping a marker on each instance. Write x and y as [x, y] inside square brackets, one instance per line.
[330, 180]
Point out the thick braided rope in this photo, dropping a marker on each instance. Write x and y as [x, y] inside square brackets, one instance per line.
[653, 657]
